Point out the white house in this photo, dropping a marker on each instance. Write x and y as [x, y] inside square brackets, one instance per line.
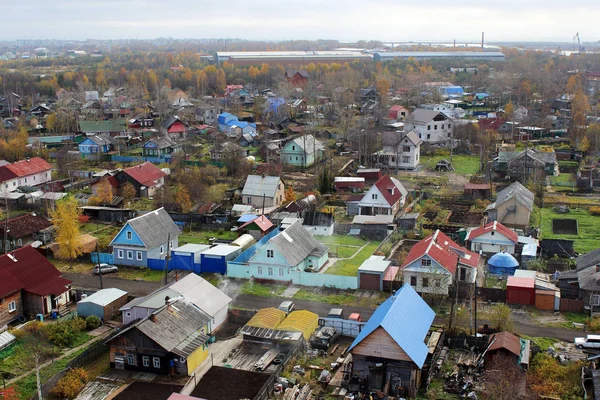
[30, 172]
[385, 197]
[264, 190]
[493, 237]
[431, 126]
[431, 264]
[400, 150]
[318, 223]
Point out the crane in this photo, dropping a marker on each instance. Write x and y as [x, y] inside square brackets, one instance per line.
[581, 48]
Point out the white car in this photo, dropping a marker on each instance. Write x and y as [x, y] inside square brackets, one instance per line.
[588, 342]
[105, 269]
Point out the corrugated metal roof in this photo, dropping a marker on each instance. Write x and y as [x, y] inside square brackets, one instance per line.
[407, 319]
[516, 282]
[154, 228]
[374, 264]
[300, 321]
[295, 243]
[191, 248]
[258, 185]
[515, 191]
[200, 292]
[6, 338]
[154, 300]
[222, 250]
[268, 318]
[103, 297]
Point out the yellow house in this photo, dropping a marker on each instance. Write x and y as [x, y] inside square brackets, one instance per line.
[172, 340]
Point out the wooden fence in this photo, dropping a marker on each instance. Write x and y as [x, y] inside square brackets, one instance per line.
[570, 305]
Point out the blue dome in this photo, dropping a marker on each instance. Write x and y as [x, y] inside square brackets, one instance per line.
[503, 260]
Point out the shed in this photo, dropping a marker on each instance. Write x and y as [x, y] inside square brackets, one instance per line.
[187, 257]
[215, 259]
[244, 241]
[408, 221]
[389, 279]
[520, 290]
[371, 273]
[349, 183]
[268, 318]
[370, 174]
[300, 321]
[511, 345]
[104, 304]
[502, 264]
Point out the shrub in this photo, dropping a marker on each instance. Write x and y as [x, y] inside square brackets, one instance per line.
[595, 211]
[501, 318]
[69, 385]
[594, 324]
[64, 334]
[92, 322]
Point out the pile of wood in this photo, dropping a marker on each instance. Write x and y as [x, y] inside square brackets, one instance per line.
[297, 393]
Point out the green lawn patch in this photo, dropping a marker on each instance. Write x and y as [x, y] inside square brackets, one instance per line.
[589, 228]
[564, 179]
[345, 299]
[341, 240]
[202, 237]
[349, 267]
[543, 342]
[258, 289]
[465, 165]
[495, 282]
[140, 273]
[344, 251]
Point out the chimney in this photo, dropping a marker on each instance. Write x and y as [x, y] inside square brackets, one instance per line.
[28, 159]
[153, 318]
[167, 298]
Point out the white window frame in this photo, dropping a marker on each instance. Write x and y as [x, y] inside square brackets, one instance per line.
[129, 235]
[281, 272]
[120, 254]
[146, 361]
[270, 271]
[270, 253]
[259, 271]
[139, 256]
[156, 362]
[374, 196]
[12, 306]
[130, 254]
[425, 262]
[162, 249]
[130, 359]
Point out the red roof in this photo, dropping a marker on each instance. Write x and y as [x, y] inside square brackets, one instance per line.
[24, 168]
[388, 189]
[390, 273]
[505, 340]
[490, 123]
[496, 227]
[517, 282]
[261, 222]
[32, 272]
[8, 283]
[146, 174]
[443, 250]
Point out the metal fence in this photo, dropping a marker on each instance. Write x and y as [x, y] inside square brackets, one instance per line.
[346, 327]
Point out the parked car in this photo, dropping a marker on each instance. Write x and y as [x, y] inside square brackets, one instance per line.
[588, 342]
[336, 313]
[287, 307]
[105, 269]
[324, 338]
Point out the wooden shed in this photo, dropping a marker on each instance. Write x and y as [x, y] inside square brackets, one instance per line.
[520, 290]
[104, 304]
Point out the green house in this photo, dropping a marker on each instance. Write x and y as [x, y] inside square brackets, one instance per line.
[302, 151]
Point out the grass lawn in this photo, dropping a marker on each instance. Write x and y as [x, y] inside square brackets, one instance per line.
[589, 228]
[494, 282]
[345, 299]
[564, 179]
[131, 273]
[202, 237]
[341, 240]
[465, 165]
[543, 342]
[344, 251]
[258, 289]
[349, 267]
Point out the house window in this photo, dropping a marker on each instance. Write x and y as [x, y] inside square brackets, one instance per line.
[120, 253]
[374, 196]
[269, 253]
[296, 158]
[405, 159]
[129, 235]
[596, 300]
[156, 362]
[413, 281]
[128, 314]
[437, 283]
[146, 361]
[463, 274]
[293, 147]
[442, 126]
[449, 134]
[425, 282]
[426, 262]
[280, 271]
[139, 255]
[270, 271]
[19, 243]
[25, 180]
[249, 200]
[259, 271]
[428, 127]
[428, 136]
[130, 359]
[12, 306]
[162, 249]
[129, 255]
[435, 127]
[406, 149]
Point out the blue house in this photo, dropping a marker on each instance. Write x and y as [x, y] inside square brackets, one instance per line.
[291, 250]
[273, 104]
[302, 151]
[395, 344]
[94, 146]
[144, 240]
[162, 147]
[232, 127]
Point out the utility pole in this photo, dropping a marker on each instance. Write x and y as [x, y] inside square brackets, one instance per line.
[98, 264]
[6, 223]
[455, 299]
[167, 256]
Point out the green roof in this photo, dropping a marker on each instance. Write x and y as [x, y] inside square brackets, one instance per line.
[113, 125]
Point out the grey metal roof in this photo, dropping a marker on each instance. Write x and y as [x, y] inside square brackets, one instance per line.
[104, 297]
[588, 259]
[175, 327]
[101, 140]
[374, 264]
[296, 243]
[154, 227]
[202, 294]
[422, 116]
[516, 191]
[162, 142]
[318, 219]
[258, 185]
[589, 278]
[154, 300]
[310, 141]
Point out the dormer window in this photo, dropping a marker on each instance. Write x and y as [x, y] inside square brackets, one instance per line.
[374, 196]
[129, 235]
[426, 262]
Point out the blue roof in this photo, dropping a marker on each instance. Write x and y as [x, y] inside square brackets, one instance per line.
[503, 260]
[407, 319]
[247, 218]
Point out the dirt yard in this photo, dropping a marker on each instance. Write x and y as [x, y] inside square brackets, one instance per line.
[229, 384]
[145, 391]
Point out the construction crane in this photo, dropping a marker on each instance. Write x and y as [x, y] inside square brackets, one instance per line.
[581, 48]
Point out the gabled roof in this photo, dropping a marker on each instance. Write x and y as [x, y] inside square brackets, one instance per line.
[588, 259]
[172, 120]
[443, 250]
[101, 140]
[146, 174]
[118, 125]
[259, 185]
[516, 191]
[261, 222]
[391, 189]
[25, 225]
[422, 116]
[317, 218]
[312, 144]
[496, 227]
[35, 273]
[153, 228]
[406, 318]
[296, 243]
[201, 293]
[162, 142]
[507, 341]
[23, 168]
[291, 72]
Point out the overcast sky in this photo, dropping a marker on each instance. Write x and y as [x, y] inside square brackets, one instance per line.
[347, 20]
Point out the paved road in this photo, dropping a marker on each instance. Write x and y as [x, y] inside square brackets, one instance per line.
[140, 288]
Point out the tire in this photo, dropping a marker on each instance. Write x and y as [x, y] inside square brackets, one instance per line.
[580, 347]
[21, 318]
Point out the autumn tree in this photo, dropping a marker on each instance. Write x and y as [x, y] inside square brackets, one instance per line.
[579, 110]
[290, 195]
[104, 192]
[66, 220]
[128, 191]
[182, 198]
[51, 121]
[383, 88]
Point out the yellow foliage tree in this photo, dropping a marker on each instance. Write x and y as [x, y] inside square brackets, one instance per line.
[182, 197]
[51, 122]
[128, 191]
[290, 195]
[104, 192]
[66, 220]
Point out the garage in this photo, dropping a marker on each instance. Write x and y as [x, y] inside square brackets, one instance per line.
[104, 304]
[520, 290]
[371, 273]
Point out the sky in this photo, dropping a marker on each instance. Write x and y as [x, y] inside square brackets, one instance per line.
[347, 20]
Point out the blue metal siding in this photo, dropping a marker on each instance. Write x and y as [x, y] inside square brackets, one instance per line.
[134, 262]
[121, 238]
[213, 263]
